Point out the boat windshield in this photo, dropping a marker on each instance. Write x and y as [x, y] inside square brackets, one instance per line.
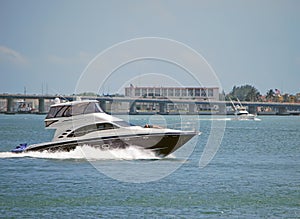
[73, 110]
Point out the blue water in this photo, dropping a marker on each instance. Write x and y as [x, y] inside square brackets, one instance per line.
[255, 173]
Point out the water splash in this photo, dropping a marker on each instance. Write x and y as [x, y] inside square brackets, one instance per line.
[89, 153]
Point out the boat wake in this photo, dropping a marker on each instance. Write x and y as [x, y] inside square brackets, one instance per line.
[244, 119]
[215, 119]
[87, 152]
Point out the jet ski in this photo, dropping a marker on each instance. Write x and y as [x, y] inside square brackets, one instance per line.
[20, 148]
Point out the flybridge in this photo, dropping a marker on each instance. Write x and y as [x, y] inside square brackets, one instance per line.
[73, 109]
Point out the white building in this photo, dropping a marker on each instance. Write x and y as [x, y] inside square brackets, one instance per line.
[199, 93]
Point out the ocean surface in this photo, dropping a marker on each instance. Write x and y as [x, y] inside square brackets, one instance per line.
[254, 174]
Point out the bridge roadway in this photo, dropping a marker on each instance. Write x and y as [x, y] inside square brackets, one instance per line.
[280, 107]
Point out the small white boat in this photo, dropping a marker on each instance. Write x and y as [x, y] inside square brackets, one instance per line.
[79, 123]
[241, 112]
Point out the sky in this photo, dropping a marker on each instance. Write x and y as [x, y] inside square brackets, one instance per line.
[46, 46]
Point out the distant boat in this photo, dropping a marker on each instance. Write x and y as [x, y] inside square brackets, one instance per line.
[24, 107]
[241, 112]
[294, 112]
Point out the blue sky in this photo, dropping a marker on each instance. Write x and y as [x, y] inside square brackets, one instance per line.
[48, 44]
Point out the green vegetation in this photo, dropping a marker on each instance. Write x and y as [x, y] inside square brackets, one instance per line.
[244, 93]
[270, 95]
[250, 93]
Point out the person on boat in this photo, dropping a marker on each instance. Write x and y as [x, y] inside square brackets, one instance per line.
[148, 126]
[152, 126]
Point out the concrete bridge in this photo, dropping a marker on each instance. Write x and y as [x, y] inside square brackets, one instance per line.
[163, 104]
[10, 98]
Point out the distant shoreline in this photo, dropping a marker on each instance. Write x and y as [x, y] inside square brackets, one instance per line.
[296, 113]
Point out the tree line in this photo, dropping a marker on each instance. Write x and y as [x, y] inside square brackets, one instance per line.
[251, 94]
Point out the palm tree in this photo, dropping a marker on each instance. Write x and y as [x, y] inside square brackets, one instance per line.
[252, 95]
[270, 95]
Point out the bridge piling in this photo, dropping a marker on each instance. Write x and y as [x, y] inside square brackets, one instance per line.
[191, 108]
[41, 105]
[132, 107]
[252, 109]
[102, 105]
[10, 102]
[162, 108]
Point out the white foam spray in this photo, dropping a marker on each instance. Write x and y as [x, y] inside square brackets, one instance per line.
[89, 153]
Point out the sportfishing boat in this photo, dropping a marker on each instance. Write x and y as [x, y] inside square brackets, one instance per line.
[79, 123]
[241, 112]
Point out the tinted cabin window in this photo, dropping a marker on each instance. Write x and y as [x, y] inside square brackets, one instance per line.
[91, 128]
[67, 112]
[85, 108]
[61, 112]
[83, 130]
[78, 108]
[73, 110]
[104, 126]
[92, 108]
[53, 111]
